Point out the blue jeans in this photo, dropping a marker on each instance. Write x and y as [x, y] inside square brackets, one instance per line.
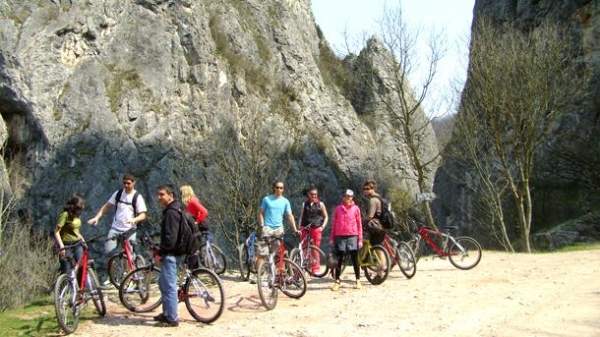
[75, 252]
[167, 283]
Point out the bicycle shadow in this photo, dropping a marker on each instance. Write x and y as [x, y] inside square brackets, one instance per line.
[247, 304]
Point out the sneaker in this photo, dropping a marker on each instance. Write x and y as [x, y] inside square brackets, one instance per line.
[335, 286]
[168, 324]
[160, 318]
[358, 285]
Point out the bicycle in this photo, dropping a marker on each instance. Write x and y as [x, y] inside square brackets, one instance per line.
[306, 255]
[246, 257]
[458, 250]
[73, 290]
[211, 256]
[369, 260]
[401, 254]
[122, 263]
[278, 272]
[200, 289]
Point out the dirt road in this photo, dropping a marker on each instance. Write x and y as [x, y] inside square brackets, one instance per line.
[505, 295]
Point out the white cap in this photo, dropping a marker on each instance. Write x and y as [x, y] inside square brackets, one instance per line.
[349, 193]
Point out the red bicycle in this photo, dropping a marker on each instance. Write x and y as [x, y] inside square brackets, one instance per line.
[310, 257]
[73, 290]
[123, 262]
[463, 252]
[401, 254]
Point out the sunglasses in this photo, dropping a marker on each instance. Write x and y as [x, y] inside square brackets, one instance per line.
[313, 194]
[278, 187]
[127, 183]
[367, 188]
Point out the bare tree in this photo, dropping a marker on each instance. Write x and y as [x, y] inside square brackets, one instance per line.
[404, 100]
[519, 83]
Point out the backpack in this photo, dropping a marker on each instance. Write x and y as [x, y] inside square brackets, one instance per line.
[188, 240]
[386, 217]
[133, 201]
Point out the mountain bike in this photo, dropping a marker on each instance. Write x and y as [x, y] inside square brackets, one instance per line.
[200, 289]
[310, 257]
[401, 254]
[463, 252]
[374, 261]
[73, 290]
[211, 256]
[278, 272]
[246, 257]
[122, 263]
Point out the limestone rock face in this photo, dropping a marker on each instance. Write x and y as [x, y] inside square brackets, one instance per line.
[566, 184]
[90, 90]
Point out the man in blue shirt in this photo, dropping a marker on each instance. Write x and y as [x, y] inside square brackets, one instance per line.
[273, 207]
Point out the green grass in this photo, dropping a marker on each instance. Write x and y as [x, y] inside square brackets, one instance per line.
[578, 247]
[36, 319]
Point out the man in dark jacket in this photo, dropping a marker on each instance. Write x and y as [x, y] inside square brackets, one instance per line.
[169, 238]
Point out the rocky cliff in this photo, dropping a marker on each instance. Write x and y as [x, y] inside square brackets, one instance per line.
[566, 181]
[172, 90]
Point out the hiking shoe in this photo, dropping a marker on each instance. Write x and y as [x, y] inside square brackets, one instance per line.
[335, 286]
[358, 285]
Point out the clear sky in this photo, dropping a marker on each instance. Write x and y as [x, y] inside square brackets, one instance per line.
[452, 18]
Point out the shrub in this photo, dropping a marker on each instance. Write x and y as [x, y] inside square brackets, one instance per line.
[27, 265]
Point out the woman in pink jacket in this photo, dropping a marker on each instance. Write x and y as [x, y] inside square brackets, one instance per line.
[346, 236]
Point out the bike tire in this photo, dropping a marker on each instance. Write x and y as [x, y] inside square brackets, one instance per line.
[65, 303]
[469, 245]
[220, 265]
[323, 266]
[117, 269]
[204, 285]
[96, 292]
[139, 261]
[371, 272]
[293, 282]
[266, 285]
[139, 291]
[243, 259]
[417, 248]
[406, 260]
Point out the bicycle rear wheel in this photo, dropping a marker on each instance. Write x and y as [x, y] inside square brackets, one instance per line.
[417, 247]
[291, 280]
[244, 262]
[406, 260]
[65, 303]
[220, 262]
[377, 272]
[117, 269]
[204, 295]
[464, 253]
[139, 291]
[96, 292]
[266, 285]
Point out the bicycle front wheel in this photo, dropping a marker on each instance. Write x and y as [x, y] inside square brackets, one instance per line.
[406, 260]
[117, 269]
[291, 280]
[204, 295]
[378, 267]
[464, 252]
[244, 260]
[96, 292]
[266, 285]
[139, 291]
[65, 303]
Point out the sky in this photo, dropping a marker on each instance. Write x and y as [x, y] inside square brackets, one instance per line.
[451, 18]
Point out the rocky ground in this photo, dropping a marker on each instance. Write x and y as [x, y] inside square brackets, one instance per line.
[505, 295]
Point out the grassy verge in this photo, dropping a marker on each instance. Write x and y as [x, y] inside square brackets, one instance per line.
[36, 319]
[579, 246]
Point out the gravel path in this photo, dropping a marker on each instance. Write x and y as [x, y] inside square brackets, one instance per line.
[505, 295]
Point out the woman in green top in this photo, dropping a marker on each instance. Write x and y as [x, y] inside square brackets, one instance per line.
[67, 231]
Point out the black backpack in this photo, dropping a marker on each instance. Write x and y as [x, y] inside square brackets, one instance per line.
[188, 240]
[386, 217]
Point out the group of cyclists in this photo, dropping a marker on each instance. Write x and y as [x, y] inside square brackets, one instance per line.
[346, 234]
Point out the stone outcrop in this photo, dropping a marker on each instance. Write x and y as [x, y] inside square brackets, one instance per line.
[566, 182]
[90, 90]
